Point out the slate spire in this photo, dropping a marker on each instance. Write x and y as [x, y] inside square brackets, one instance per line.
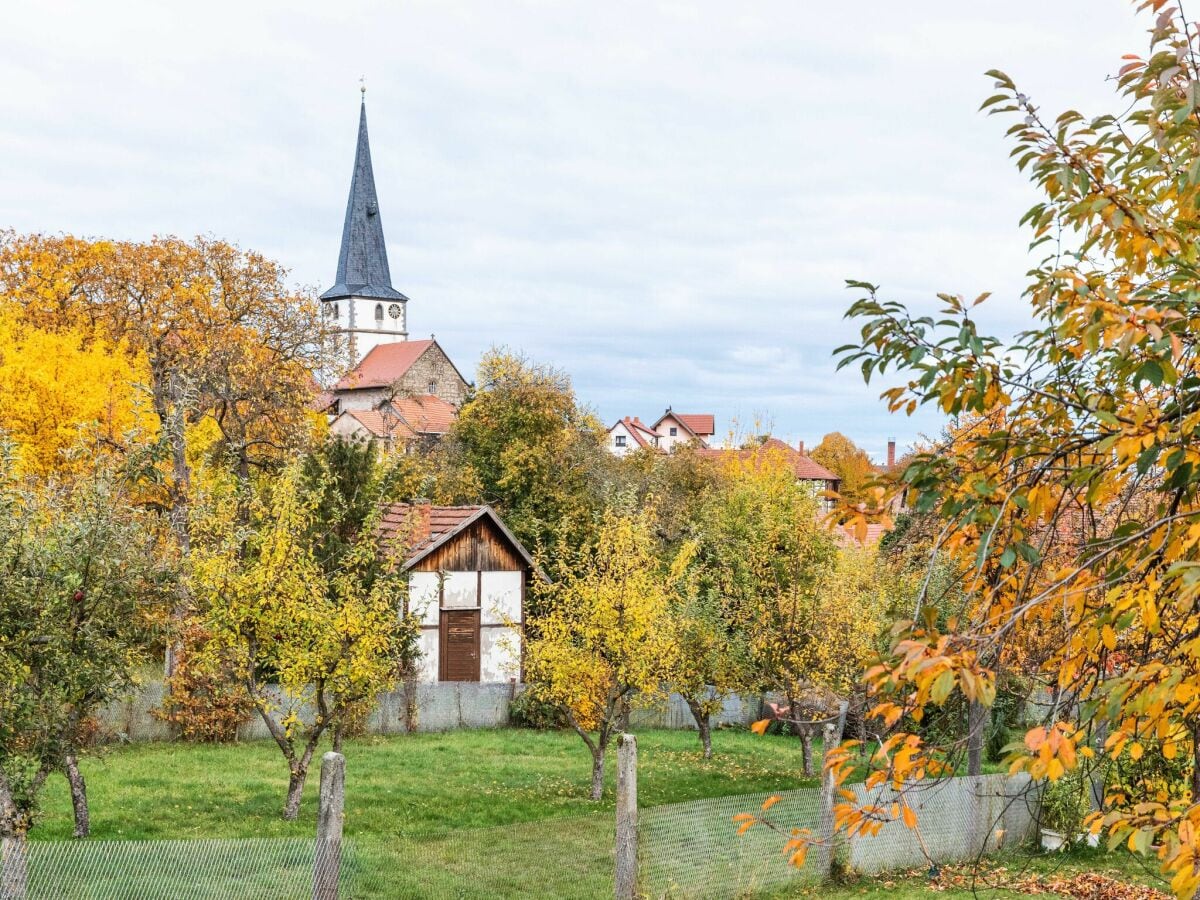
[362, 269]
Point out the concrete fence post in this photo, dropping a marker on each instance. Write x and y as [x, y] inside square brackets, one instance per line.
[625, 883]
[831, 736]
[327, 861]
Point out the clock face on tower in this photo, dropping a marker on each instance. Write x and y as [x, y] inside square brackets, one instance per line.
[394, 310]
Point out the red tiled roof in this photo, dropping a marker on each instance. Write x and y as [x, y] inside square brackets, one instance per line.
[805, 468]
[419, 528]
[426, 414]
[384, 364]
[640, 431]
[703, 424]
[379, 424]
[420, 525]
[699, 424]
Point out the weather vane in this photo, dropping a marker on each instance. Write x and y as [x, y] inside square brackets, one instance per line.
[362, 85]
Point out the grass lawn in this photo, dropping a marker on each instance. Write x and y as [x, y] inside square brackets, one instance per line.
[467, 814]
[457, 814]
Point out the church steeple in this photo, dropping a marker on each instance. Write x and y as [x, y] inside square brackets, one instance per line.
[364, 282]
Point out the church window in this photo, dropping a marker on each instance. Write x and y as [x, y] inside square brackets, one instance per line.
[432, 387]
[336, 311]
[379, 313]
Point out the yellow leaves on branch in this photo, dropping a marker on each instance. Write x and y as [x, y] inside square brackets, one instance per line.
[1049, 752]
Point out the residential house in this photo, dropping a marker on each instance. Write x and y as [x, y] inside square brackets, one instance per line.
[405, 424]
[675, 428]
[468, 577]
[630, 434]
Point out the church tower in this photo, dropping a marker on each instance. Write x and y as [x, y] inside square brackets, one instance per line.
[363, 304]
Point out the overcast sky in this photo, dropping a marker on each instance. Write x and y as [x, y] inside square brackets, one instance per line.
[663, 199]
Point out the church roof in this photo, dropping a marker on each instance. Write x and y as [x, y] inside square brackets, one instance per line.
[362, 269]
[384, 365]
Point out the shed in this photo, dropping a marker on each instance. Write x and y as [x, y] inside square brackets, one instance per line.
[468, 576]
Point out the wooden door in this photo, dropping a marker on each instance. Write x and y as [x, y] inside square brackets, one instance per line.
[459, 650]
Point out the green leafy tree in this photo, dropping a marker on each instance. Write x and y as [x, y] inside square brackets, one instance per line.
[84, 585]
[531, 449]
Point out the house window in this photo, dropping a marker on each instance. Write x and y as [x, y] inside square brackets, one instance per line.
[379, 313]
[674, 432]
[619, 440]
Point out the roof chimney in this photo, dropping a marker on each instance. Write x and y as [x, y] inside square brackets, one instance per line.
[800, 447]
[891, 452]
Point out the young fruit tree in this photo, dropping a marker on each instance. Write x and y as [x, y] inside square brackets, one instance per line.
[1075, 501]
[310, 643]
[85, 586]
[605, 635]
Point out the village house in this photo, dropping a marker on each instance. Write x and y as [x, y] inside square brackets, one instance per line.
[671, 430]
[630, 434]
[468, 577]
[675, 428]
[405, 424]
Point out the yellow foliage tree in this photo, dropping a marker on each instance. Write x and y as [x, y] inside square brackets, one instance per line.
[310, 644]
[606, 634]
[62, 389]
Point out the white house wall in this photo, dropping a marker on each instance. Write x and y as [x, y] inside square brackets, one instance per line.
[499, 618]
[630, 443]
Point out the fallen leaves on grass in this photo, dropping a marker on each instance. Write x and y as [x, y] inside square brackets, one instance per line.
[1080, 886]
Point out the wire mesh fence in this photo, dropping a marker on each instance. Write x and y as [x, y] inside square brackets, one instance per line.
[692, 850]
[270, 869]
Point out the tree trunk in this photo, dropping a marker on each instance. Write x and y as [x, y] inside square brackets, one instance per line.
[806, 749]
[703, 725]
[291, 807]
[79, 801]
[598, 772]
[977, 718]
[337, 737]
[1195, 761]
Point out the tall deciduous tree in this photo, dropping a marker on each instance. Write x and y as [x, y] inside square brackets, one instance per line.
[532, 450]
[1079, 496]
[83, 590]
[311, 640]
[221, 337]
[606, 634]
[848, 461]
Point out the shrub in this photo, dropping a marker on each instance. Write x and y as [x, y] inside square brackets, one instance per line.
[206, 705]
[528, 711]
[1065, 803]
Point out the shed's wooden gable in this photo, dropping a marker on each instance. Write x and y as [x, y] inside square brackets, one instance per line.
[480, 547]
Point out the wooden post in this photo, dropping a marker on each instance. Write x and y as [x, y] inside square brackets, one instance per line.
[831, 736]
[327, 861]
[627, 837]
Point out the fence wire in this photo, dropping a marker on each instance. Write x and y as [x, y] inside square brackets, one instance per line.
[270, 869]
[692, 850]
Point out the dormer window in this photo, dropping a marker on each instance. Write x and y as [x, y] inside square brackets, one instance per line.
[379, 313]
